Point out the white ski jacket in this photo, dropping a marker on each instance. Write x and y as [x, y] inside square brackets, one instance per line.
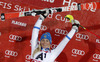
[49, 56]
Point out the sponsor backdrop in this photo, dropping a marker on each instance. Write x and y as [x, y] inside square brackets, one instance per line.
[15, 34]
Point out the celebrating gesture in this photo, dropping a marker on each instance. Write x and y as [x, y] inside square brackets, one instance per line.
[42, 51]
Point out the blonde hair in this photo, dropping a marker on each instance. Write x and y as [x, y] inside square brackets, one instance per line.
[38, 49]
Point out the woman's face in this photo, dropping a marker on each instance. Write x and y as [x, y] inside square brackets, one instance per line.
[45, 43]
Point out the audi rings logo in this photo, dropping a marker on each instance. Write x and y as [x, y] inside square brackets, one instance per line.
[81, 36]
[43, 27]
[15, 37]
[96, 56]
[9, 53]
[77, 52]
[60, 31]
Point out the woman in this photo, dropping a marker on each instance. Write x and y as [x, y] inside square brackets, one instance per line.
[41, 52]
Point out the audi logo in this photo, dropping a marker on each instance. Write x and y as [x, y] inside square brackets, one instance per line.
[78, 52]
[28, 57]
[43, 27]
[82, 36]
[96, 56]
[59, 31]
[15, 37]
[11, 53]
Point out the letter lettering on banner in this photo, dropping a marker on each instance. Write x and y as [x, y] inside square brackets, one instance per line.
[64, 1]
[51, 1]
[73, 6]
[5, 5]
[19, 8]
[50, 15]
[16, 7]
[97, 40]
[59, 17]
[1, 3]
[19, 23]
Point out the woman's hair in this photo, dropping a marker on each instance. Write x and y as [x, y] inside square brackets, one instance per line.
[37, 50]
[46, 35]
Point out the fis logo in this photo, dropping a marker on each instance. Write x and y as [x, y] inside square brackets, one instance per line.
[9, 53]
[43, 27]
[28, 58]
[81, 36]
[96, 57]
[14, 38]
[60, 31]
[76, 52]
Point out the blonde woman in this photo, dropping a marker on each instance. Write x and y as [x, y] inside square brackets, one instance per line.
[41, 52]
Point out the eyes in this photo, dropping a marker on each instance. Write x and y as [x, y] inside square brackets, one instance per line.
[44, 40]
[45, 43]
